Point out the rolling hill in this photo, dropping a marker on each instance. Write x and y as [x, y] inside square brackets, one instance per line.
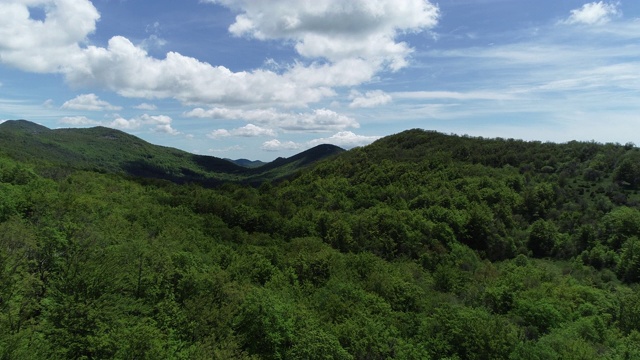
[419, 246]
[56, 152]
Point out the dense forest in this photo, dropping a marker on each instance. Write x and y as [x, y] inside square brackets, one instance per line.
[419, 246]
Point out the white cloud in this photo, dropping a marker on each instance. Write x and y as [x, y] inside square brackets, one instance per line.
[594, 13]
[216, 134]
[153, 42]
[78, 121]
[251, 130]
[89, 102]
[336, 29]
[159, 123]
[131, 72]
[48, 46]
[48, 103]
[347, 43]
[276, 145]
[167, 129]
[345, 139]
[547, 64]
[558, 73]
[369, 99]
[317, 121]
[145, 106]
[156, 119]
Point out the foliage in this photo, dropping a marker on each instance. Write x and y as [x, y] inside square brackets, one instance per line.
[419, 246]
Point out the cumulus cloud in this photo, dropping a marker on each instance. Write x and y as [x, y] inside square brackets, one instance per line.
[45, 46]
[154, 41]
[89, 102]
[347, 43]
[131, 72]
[145, 106]
[159, 123]
[54, 46]
[369, 99]
[78, 121]
[316, 121]
[167, 129]
[137, 122]
[336, 29]
[220, 133]
[277, 145]
[249, 130]
[594, 13]
[345, 139]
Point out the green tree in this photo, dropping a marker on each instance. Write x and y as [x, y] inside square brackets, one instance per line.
[466, 333]
[630, 312]
[266, 322]
[542, 238]
[620, 224]
[628, 172]
[538, 200]
[629, 265]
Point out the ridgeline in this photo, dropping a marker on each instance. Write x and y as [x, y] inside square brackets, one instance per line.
[60, 151]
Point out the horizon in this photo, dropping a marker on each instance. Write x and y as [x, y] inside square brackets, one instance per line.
[241, 80]
[234, 159]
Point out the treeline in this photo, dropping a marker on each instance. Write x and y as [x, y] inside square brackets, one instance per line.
[419, 246]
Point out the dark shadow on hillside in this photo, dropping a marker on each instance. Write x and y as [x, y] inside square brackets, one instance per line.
[147, 170]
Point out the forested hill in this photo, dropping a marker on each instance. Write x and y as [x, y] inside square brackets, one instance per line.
[418, 246]
[60, 151]
[490, 193]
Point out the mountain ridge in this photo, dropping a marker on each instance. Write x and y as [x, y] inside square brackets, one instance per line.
[113, 151]
[433, 245]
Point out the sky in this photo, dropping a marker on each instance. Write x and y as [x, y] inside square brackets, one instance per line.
[265, 79]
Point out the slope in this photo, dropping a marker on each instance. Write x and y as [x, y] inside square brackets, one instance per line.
[419, 246]
[56, 152]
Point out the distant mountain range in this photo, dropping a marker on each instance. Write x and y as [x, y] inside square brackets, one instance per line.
[59, 151]
[247, 163]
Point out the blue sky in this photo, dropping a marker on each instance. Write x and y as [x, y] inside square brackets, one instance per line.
[263, 79]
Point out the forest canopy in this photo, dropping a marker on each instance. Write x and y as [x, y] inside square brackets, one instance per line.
[419, 246]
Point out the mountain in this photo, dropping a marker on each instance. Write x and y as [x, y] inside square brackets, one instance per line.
[56, 152]
[23, 126]
[419, 246]
[247, 163]
[282, 168]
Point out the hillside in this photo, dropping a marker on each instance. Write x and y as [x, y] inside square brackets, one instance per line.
[247, 163]
[112, 151]
[419, 246]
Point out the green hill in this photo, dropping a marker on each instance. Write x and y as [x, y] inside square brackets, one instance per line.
[247, 163]
[419, 246]
[57, 152]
